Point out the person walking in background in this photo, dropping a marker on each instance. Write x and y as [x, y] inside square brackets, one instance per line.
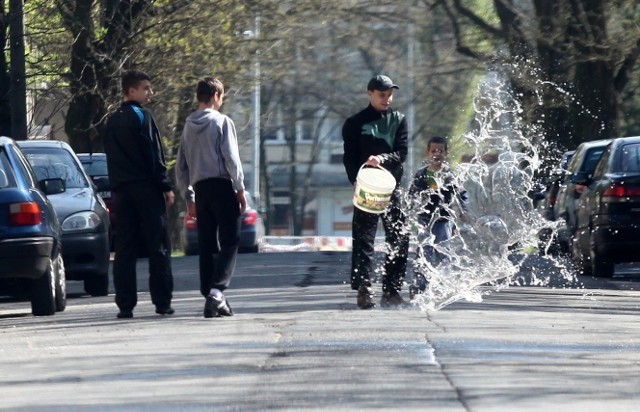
[377, 136]
[433, 192]
[209, 173]
[143, 192]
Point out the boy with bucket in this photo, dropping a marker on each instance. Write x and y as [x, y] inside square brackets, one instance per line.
[433, 193]
[377, 137]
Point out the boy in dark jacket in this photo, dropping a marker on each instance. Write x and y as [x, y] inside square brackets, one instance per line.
[377, 136]
[434, 191]
[138, 177]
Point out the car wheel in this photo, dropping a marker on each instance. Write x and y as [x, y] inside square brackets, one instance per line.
[190, 250]
[61, 285]
[43, 292]
[97, 285]
[600, 265]
[580, 259]
[250, 249]
[545, 242]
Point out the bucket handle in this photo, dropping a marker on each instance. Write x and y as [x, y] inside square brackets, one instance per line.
[378, 167]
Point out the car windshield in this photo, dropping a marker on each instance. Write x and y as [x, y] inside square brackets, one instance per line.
[95, 166]
[51, 163]
[630, 158]
[591, 159]
[566, 159]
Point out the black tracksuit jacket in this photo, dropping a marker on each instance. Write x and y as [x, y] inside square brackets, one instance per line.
[134, 149]
[370, 132]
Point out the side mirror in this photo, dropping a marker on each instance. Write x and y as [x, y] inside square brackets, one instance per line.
[102, 183]
[581, 178]
[52, 186]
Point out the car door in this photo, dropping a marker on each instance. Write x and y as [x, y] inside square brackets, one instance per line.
[565, 192]
[587, 203]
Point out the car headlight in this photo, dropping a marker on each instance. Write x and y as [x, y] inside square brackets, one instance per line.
[81, 221]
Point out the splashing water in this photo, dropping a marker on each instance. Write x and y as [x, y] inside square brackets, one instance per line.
[497, 227]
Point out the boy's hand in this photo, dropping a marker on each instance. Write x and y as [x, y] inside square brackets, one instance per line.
[242, 200]
[374, 161]
[191, 209]
[169, 198]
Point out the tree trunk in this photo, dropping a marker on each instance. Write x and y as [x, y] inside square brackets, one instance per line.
[18, 92]
[596, 116]
[5, 80]
[94, 65]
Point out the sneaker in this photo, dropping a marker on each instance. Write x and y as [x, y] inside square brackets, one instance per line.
[214, 308]
[419, 286]
[421, 282]
[391, 299]
[414, 291]
[165, 311]
[365, 298]
[125, 314]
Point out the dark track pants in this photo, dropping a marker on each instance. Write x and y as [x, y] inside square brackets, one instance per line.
[218, 213]
[142, 216]
[364, 226]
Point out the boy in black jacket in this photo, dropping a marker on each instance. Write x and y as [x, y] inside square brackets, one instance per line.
[143, 191]
[377, 136]
[433, 191]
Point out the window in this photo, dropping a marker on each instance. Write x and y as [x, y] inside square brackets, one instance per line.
[631, 158]
[56, 163]
[95, 166]
[6, 174]
[307, 125]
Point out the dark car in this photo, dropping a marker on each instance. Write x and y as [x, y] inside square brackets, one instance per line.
[83, 215]
[30, 234]
[608, 216]
[251, 231]
[95, 165]
[549, 241]
[583, 162]
[552, 187]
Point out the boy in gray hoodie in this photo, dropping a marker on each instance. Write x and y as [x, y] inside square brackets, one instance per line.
[209, 174]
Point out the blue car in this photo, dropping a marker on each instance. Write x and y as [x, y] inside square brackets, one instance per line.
[83, 215]
[30, 234]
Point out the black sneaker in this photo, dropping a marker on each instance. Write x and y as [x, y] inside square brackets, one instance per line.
[414, 292]
[125, 314]
[165, 311]
[214, 308]
[391, 299]
[365, 298]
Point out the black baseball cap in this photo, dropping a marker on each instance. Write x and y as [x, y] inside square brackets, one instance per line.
[381, 82]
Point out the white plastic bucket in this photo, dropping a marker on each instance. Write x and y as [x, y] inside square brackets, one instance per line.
[374, 187]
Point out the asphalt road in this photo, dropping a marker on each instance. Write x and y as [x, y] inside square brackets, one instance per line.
[298, 342]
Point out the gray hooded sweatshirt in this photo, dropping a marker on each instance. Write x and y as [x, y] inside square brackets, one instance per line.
[208, 148]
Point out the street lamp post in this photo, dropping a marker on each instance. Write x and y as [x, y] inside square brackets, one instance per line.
[410, 97]
[255, 185]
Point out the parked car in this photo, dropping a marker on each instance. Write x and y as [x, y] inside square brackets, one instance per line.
[583, 162]
[608, 216]
[82, 212]
[95, 165]
[251, 231]
[30, 234]
[552, 186]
